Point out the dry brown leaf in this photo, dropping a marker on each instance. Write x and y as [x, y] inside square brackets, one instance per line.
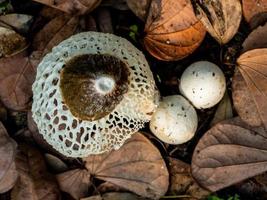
[103, 19]
[19, 22]
[182, 182]
[136, 166]
[224, 110]
[8, 172]
[256, 39]
[75, 7]
[34, 182]
[217, 16]
[243, 101]
[228, 153]
[253, 67]
[16, 77]
[75, 182]
[172, 29]
[139, 7]
[57, 30]
[255, 11]
[115, 196]
[55, 163]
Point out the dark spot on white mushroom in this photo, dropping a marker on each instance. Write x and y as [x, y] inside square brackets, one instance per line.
[213, 74]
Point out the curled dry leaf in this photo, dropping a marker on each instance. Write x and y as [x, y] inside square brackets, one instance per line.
[16, 77]
[34, 181]
[253, 67]
[255, 12]
[139, 7]
[136, 166]
[8, 172]
[256, 39]
[172, 29]
[228, 153]
[224, 110]
[74, 7]
[19, 22]
[75, 182]
[217, 16]
[182, 182]
[115, 196]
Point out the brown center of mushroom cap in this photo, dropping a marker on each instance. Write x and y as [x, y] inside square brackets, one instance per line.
[92, 85]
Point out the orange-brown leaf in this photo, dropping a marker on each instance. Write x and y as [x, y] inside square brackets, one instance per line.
[75, 7]
[172, 29]
[217, 17]
[253, 67]
[228, 153]
[136, 166]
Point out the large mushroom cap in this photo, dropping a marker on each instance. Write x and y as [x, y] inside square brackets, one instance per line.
[175, 120]
[91, 93]
[203, 84]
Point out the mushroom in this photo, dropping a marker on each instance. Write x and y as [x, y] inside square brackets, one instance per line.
[174, 121]
[91, 93]
[203, 84]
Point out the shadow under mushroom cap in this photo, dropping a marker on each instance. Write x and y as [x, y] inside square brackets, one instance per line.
[127, 105]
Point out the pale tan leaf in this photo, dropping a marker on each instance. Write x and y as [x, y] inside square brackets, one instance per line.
[217, 16]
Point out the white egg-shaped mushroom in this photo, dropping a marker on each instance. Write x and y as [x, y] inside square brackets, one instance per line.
[203, 84]
[175, 120]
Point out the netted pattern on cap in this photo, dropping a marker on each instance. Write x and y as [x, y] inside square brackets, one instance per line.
[79, 138]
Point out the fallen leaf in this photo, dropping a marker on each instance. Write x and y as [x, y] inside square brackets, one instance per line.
[16, 77]
[217, 16]
[243, 101]
[136, 166]
[34, 182]
[19, 22]
[115, 196]
[75, 182]
[182, 182]
[74, 7]
[8, 172]
[254, 11]
[139, 7]
[228, 153]
[103, 19]
[57, 30]
[11, 43]
[253, 67]
[224, 110]
[256, 39]
[172, 30]
[55, 163]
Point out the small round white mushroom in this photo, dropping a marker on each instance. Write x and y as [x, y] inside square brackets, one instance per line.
[203, 84]
[175, 120]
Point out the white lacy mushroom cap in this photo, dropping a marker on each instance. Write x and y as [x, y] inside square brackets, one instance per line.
[115, 88]
[175, 120]
[203, 84]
